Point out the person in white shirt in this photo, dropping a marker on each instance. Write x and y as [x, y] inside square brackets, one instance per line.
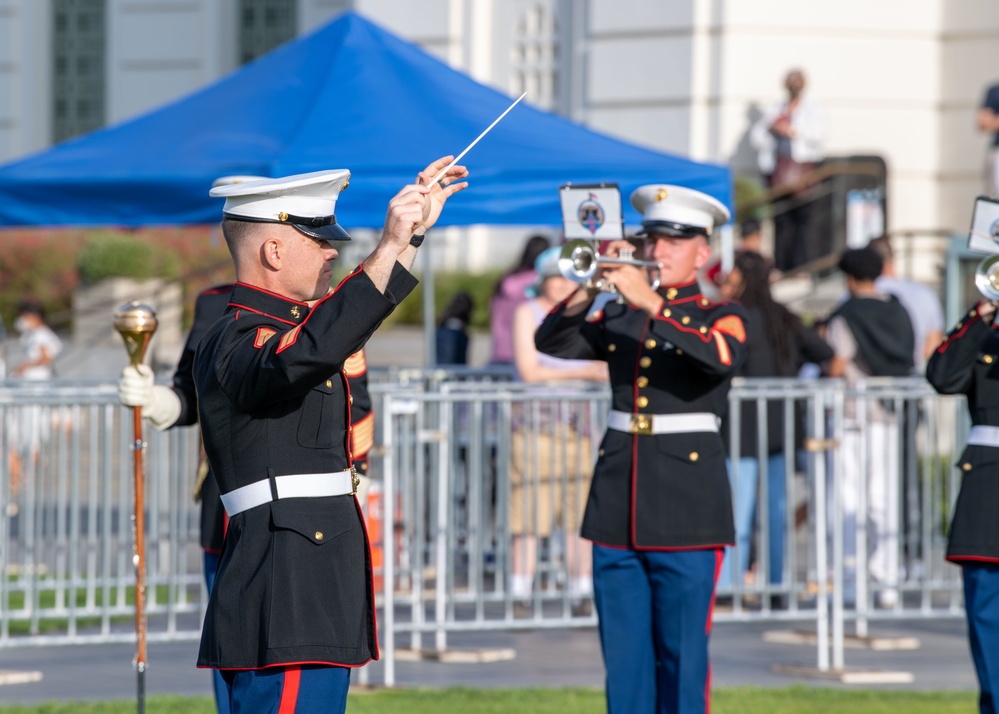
[39, 343]
[39, 346]
[789, 139]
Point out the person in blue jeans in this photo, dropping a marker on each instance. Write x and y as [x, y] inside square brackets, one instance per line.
[778, 344]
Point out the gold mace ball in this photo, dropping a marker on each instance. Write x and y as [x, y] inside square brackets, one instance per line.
[135, 322]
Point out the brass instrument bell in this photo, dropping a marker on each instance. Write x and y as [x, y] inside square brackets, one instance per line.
[579, 262]
[987, 277]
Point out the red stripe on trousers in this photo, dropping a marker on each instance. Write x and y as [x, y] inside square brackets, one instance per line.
[289, 691]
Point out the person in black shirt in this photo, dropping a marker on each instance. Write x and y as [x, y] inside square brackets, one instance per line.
[872, 336]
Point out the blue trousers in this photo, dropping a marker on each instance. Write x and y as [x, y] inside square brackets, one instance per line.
[299, 689]
[655, 619]
[218, 684]
[981, 603]
[744, 491]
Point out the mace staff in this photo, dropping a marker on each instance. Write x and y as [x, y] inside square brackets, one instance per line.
[136, 323]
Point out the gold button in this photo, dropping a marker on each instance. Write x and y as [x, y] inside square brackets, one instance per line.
[611, 347]
[642, 401]
[704, 330]
[645, 362]
[671, 293]
[694, 456]
[650, 343]
[685, 319]
[988, 359]
[973, 313]
[282, 216]
[643, 382]
[667, 312]
[679, 351]
[351, 400]
[600, 453]
[966, 466]
[329, 383]
[319, 535]
[704, 301]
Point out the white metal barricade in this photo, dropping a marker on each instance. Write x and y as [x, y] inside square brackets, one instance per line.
[66, 519]
[476, 469]
[447, 453]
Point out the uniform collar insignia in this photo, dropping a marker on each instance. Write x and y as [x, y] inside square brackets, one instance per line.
[677, 293]
[284, 309]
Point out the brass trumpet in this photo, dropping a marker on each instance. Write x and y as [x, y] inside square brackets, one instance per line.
[987, 277]
[579, 262]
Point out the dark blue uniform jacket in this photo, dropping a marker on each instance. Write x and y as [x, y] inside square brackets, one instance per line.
[294, 580]
[666, 491]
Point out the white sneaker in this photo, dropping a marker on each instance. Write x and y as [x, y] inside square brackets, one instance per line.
[887, 598]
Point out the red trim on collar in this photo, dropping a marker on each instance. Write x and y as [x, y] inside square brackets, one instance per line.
[268, 292]
[261, 312]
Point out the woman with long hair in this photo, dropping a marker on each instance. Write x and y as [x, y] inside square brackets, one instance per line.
[778, 344]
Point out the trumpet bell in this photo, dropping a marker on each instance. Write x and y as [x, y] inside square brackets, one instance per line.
[987, 277]
[578, 261]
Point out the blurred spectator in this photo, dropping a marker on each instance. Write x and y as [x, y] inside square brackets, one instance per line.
[39, 343]
[778, 345]
[550, 448]
[452, 330]
[508, 295]
[926, 314]
[789, 139]
[871, 335]
[988, 121]
[919, 301]
[39, 347]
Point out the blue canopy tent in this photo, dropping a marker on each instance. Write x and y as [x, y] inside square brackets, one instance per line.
[349, 95]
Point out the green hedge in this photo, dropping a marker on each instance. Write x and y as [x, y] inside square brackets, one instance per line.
[480, 286]
[117, 255]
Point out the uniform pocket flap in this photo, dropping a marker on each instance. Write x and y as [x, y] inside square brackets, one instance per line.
[690, 447]
[312, 518]
[976, 455]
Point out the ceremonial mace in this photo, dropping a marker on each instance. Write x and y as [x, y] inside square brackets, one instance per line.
[136, 323]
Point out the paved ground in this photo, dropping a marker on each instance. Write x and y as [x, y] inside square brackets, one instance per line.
[549, 658]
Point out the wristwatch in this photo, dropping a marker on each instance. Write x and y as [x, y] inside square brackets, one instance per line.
[417, 240]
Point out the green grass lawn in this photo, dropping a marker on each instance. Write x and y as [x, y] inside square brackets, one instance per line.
[792, 700]
[46, 600]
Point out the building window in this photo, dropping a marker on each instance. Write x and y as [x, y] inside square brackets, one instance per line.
[265, 24]
[534, 56]
[78, 67]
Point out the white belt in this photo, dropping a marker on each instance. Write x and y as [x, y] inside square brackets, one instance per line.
[647, 424]
[291, 486]
[983, 436]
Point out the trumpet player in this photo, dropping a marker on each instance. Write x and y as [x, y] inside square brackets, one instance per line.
[966, 363]
[660, 510]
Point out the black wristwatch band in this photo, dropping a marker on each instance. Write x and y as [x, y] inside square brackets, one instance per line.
[417, 240]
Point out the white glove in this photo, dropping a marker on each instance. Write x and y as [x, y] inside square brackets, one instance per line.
[160, 405]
